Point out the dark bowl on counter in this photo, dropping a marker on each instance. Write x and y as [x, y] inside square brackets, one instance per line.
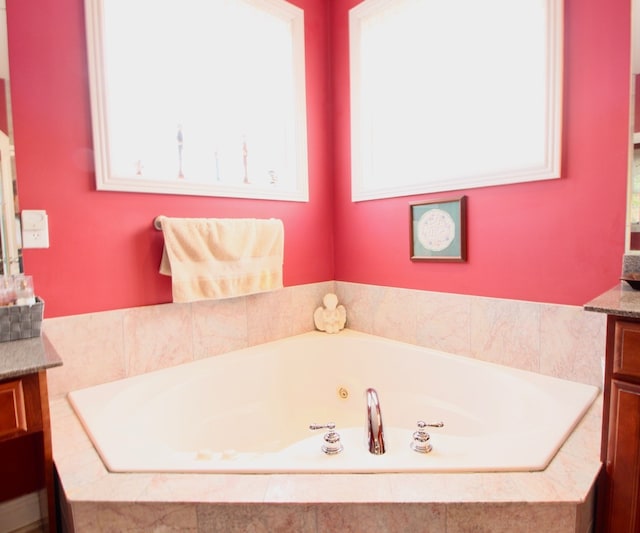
[633, 279]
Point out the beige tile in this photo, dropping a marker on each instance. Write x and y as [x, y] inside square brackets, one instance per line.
[85, 517]
[395, 315]
[510, 518]
[385, 311]
[157, 336]
[135, 518]
[85, 478]
[219, 326]
[203, 488]
[444, 322]
[328, 488]
[91, 347]
[506, 332]
[584, 442]
[67, 436]
[361, 301]
[238, 518]
[572, 343]
[381, 518]
[459, 487]
[275, 315]
[81, 474]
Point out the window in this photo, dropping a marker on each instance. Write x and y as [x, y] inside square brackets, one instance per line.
[456, 94]
[202, 97]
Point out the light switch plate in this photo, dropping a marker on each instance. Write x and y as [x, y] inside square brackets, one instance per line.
[35, 228]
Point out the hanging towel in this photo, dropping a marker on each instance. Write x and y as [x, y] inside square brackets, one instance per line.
[211, 258]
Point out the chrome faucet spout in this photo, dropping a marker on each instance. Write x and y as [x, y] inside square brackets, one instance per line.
[375, 429]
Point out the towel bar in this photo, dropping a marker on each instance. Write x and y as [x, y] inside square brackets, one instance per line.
[157, 222]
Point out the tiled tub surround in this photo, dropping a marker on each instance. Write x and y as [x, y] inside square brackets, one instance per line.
[557, 500]
[558, 340]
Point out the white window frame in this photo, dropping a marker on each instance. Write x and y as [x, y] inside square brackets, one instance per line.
[416, 170]
[108, 179]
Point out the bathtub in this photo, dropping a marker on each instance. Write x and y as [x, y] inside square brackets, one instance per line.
[249, 411]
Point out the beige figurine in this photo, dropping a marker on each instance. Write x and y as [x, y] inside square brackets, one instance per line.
[332, 317]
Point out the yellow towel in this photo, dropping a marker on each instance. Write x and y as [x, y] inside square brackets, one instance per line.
[221, 257]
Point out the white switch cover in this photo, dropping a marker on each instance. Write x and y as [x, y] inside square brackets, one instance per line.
[35, 228]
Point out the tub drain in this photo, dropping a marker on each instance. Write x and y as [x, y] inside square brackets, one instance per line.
[343, 393]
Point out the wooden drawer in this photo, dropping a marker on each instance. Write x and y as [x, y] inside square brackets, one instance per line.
[626, 356]
[20, 406]
[13, 413]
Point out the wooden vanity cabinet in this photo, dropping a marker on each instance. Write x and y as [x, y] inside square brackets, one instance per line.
[26, 462]
[618, 508]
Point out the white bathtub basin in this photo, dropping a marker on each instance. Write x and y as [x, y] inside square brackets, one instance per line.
[249, 411]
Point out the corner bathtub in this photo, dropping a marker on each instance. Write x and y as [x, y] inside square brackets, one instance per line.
[249, 411]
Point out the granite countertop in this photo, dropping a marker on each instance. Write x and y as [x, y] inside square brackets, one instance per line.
[621, 300]
[26, 356]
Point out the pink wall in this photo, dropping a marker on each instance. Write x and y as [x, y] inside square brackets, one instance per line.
[104, 253]
[560, 241]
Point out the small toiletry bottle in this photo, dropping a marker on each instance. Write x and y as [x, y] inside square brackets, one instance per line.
[7, 291]
[24, 290]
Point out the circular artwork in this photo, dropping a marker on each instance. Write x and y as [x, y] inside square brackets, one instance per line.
[436, 230]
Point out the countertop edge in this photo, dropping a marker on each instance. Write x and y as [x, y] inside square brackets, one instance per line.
[27, 356]
[621, 300]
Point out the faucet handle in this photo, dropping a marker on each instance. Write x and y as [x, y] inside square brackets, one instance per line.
[421, 424]
[332, 444]
[330, 425]
[421, 438]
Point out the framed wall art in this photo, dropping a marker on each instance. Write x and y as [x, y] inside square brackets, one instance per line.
[439, 230]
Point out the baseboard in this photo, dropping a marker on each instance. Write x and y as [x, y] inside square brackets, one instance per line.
[20, 512]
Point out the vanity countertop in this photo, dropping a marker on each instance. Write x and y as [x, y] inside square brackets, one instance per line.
[621, 300]
[26, 357]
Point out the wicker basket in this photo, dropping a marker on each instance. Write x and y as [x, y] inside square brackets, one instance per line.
[21, 321]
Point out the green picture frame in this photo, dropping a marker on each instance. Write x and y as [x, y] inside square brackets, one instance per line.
[439, 230]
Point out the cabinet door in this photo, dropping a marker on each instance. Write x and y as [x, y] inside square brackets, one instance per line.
[626, 352]
[13, 418]
[623, 459]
